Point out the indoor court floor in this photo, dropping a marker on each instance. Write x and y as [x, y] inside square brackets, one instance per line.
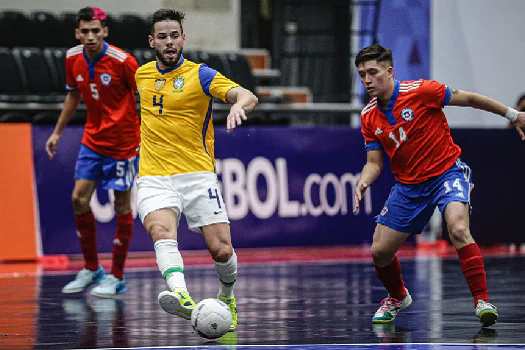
[289, 298]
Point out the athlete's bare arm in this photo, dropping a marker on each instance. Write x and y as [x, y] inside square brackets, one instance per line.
[478, 101]
[369, 174]
[244, 101]
[70, 105]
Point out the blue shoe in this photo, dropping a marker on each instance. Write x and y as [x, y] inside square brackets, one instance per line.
[109, 286]
[487, 313]
[83, 280]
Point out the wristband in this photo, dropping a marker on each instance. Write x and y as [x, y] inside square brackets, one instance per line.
[511, 114]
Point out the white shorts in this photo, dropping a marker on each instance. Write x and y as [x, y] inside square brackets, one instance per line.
[196, 195]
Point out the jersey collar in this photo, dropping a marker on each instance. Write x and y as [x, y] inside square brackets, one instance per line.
[91, 64]
[181, 61]
[388, 112]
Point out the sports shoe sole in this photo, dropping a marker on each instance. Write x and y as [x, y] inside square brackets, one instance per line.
[392, 320]
[107, 296]
[487, 318]
[171, 304]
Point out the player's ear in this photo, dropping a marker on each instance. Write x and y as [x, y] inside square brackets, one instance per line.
[77, 34]
[183, 38]
[390, 71]
[106, 32]
[151, 42]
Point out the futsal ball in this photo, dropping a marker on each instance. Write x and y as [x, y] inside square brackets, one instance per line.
[211, 318]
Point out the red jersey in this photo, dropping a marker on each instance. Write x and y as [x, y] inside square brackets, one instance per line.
[107, 86]
[413, 130]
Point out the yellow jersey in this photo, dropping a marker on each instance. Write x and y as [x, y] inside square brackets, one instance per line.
[176, 107]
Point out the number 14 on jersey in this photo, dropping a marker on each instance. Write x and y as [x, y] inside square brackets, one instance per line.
[402, 137]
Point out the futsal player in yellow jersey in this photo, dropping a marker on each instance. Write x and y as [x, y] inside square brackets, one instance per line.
[177, 165]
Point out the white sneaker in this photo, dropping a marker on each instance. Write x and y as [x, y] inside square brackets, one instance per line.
[390, 307]
[83, 280]
[487, 313]
[109, 286]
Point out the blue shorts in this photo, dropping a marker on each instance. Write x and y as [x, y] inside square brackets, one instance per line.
[409, 207]
[114, 174]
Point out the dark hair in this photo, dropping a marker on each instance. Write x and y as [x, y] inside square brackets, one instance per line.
[520, 99]
[90, 13]
[166, 15]
[374, 52]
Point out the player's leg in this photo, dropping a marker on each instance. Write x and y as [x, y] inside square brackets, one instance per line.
[386, 243]
[205, 212]
[88, 170]
[218, 241]
[159, 210]
[406, 211]
[454, 196]
[118, 175]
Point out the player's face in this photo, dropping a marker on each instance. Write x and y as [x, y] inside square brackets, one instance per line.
[91, 34]
[376, 77]
[167, 41]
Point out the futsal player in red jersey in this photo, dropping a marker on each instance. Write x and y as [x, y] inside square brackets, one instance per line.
[405, 120]
[104, 77]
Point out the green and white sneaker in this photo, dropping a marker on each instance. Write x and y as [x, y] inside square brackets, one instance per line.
[390, 307]
[178, 303]
[83, 280]
[487, 313]
[109, 286]
[232, 304]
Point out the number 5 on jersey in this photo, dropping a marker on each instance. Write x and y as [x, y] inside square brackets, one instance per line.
[159, 103]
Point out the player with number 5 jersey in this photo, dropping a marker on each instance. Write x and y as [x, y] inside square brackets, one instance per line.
[177, 166]
[405, 120]
[103, 76]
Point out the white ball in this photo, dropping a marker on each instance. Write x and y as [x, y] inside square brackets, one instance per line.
[211, 318]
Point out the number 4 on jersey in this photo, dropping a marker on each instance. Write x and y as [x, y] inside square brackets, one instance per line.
[402, 137]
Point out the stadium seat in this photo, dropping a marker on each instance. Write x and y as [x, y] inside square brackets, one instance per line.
[46, 118]
[46, 24]
[15, 117]
[216, 61]
[131, 31]
[65, 37]
[56, 61]
[144, 56]
[14, 29]
[12, 87]
[39, 81]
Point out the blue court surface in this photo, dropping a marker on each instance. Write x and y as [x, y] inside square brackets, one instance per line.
[315, 304]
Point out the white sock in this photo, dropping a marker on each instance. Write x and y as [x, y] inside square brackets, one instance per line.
[170, 263]
[227, 272]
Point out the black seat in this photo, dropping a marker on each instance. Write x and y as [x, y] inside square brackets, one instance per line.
[215, 61]
[14, 29]
[12, 87]
[46, 118]
[56, 61]
[144, 56]
[132, 32]
[65, 37]
[15, 117]
[39, 81]
[46, 24]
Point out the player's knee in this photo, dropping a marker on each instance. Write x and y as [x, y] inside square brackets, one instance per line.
[158, 231]
[459, 231]
[80, 203]
[221, 252]
[381, 256]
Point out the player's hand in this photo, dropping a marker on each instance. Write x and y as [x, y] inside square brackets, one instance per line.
[519, 124]
[358, 194]
[51, 145]
[235, 117]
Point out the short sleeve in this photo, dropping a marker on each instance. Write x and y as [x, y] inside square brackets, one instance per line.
[214, 83]
[371, 140]
[130, 68]
[434, 94]
[71, 83]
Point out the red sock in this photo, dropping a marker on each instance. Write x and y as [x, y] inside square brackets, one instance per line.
[121, 243]
[86, 230]
[473, 268]
[391, 277]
